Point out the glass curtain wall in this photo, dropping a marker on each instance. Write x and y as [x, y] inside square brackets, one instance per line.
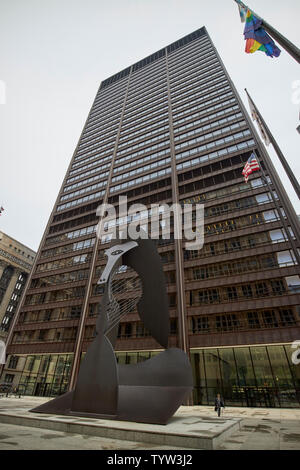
[46, 375]
[255, 376]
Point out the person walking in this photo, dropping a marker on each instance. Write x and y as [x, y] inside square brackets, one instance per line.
[219, 403]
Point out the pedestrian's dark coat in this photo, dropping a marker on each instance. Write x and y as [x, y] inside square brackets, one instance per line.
[219, 403]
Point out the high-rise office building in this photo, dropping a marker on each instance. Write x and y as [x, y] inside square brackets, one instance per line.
[172, 129]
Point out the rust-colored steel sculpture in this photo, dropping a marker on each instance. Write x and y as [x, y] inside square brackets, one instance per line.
[147, 392]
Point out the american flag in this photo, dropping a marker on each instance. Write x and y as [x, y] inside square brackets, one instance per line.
[251, 165]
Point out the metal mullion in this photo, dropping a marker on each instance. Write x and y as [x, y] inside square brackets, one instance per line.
[273, 376]
[80, 332]
[181, 301]
[291, 372]
[254, 373]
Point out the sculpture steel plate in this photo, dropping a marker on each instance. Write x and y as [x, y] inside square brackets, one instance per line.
[149, 391]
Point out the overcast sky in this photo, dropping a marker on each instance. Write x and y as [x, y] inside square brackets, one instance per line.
[55, 53]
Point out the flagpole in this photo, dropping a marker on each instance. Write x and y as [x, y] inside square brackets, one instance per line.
[291, 48]
[278, 208]
[277, 149]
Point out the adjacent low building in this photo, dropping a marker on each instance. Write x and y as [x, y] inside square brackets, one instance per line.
[16, 261]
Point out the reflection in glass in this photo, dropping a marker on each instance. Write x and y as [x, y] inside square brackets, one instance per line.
[228, 374]
[213, 377]
[295, 369]
[281, 370]
[134, 357]
[262, 367]
[52, 378]
[266, 393]
[143, 356]
[244, 367]
[282, 375]
[197, 364]
[121, 357]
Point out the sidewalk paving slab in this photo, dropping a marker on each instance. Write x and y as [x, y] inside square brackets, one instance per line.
[192, 427]
[184, 430]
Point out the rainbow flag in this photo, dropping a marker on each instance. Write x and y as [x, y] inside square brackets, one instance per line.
[243, 13]
[256, 37]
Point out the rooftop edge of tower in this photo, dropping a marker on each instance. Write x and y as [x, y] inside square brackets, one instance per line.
[156, 55]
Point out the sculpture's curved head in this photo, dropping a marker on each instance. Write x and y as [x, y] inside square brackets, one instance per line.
[134, 276]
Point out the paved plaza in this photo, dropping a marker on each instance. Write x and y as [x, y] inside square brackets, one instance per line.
[241, 428]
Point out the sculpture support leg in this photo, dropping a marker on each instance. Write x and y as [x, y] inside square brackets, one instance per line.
[96, 390]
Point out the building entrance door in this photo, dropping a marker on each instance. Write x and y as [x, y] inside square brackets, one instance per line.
[41, 389]
[38, 389]
[250, 397]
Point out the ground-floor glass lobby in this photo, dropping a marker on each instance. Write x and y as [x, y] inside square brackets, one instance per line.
[254, 376]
